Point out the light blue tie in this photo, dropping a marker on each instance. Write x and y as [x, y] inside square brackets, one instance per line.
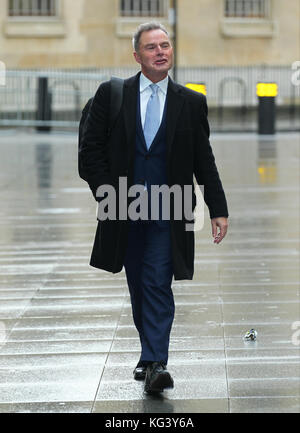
[152, 119]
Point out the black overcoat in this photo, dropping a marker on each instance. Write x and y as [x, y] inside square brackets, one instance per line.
[105, 155]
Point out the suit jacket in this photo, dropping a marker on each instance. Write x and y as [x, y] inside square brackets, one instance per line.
[107, 155]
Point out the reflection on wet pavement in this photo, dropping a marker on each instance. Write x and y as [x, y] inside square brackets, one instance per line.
[67, 340]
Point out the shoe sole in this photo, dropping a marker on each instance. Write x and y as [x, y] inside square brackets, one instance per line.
[139, 376]
[162, 382]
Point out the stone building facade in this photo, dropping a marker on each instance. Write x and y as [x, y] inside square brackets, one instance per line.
[97, 33]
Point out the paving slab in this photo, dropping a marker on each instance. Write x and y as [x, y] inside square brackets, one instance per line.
[67, 339]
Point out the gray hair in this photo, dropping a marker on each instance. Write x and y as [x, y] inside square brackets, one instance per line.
[146, 27]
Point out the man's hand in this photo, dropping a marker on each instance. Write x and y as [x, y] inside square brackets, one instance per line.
[222, 224]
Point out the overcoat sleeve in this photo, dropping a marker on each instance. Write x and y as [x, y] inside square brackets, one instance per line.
[205, 168]
[94, 166]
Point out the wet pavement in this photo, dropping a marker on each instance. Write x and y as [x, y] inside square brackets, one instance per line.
[67, 340]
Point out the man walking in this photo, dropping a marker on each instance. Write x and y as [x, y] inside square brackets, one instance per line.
[161, 137]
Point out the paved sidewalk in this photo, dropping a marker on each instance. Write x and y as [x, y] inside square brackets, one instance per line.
[67, 340]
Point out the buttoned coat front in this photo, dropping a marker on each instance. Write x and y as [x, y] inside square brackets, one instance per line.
[105, 156]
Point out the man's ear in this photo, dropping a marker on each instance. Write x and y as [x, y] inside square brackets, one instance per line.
[137, 57]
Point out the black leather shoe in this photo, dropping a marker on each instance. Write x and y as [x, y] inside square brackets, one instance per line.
[139, 373]
[157, 378]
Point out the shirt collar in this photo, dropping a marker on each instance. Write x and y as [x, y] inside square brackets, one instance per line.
[145, 82]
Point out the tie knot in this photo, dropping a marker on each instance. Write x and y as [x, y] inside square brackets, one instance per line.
[154, 88]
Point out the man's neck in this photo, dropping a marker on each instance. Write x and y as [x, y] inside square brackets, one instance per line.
[155, 78]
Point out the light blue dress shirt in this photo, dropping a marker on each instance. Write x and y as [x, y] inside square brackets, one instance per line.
[145, 93]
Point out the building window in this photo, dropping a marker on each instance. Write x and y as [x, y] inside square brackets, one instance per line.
[143, 8]
[32, 8]
[246, 8]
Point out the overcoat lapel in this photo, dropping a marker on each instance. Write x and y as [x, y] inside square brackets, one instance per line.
[174, 107]
[130, 107]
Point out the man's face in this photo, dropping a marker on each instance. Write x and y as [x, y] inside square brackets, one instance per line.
[155, 54]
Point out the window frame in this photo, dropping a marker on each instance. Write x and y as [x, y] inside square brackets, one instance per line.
[164, 8]
[29, 26]
[266, 15]
[56, 16]
[248, 27]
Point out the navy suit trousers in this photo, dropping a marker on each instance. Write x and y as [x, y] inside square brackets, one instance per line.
[149, 273]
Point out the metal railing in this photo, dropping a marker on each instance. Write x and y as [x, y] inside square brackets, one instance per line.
[69, 92]
[231, 95]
